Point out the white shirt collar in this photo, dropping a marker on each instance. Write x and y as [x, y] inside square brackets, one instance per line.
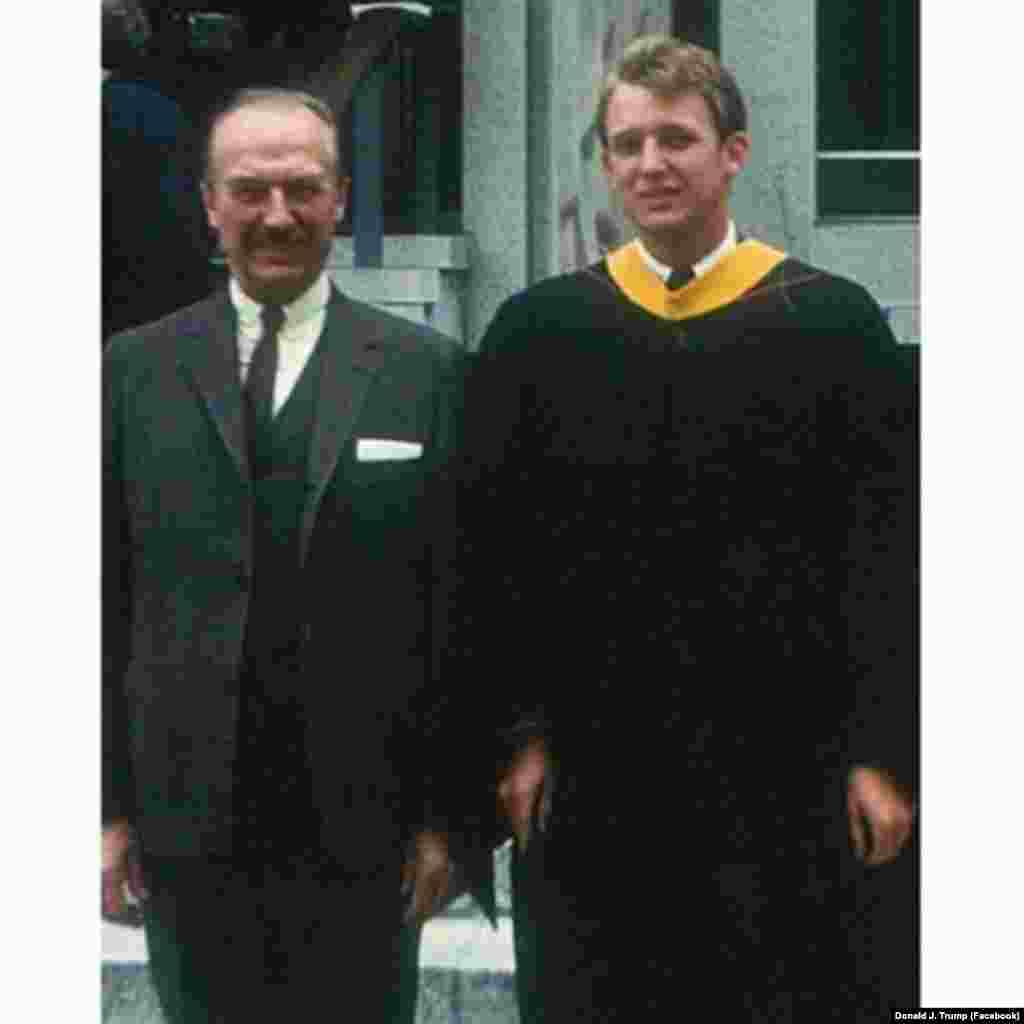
[702, 266]
[308, 304]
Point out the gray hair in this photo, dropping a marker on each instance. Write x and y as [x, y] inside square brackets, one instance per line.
[274, 97]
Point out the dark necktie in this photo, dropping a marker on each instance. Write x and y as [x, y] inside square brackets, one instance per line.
[259, 382]
[678, 278]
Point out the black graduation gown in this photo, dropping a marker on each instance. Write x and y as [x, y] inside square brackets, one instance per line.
[695, 573]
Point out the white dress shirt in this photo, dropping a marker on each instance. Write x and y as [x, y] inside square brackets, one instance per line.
[702, 266]
[303, 322]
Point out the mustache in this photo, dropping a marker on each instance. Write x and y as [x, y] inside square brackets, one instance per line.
[278, 236]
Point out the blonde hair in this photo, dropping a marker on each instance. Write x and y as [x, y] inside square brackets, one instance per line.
[669, 67]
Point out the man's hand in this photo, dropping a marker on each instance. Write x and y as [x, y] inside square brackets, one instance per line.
[524, 792]
[874, 802]
[119, 873]
[428, 876]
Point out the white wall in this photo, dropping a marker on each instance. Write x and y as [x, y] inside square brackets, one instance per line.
[770, 46]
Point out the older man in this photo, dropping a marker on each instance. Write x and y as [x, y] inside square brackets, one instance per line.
[278, 524]
[695, 469]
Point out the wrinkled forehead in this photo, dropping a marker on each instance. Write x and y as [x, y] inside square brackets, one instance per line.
[272, 139]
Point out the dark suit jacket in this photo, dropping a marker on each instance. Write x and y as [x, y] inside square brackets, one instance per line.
[376, 545]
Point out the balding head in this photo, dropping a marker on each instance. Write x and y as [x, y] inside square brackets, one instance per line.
[284, 100]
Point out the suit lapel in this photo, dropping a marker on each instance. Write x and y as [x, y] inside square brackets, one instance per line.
[209, 357]
[353, 348]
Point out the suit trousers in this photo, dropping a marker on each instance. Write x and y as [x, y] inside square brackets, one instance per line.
[299, 939]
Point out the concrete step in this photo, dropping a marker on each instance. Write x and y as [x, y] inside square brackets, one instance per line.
[466, 967]
[446, 996]
[466, 972]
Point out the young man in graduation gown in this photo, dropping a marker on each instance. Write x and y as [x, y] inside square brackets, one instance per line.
[278, 537]
[694, 564]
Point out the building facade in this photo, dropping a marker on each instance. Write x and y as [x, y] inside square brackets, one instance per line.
[534, 199]
[476, 169]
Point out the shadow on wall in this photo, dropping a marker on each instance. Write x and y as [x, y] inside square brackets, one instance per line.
[589, 224]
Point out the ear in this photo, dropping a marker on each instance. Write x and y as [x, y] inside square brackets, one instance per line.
[736, 149]
[606, 166]
[344, 187]
[208, 204]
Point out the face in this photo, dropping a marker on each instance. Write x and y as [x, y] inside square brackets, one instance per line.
[273, 198]
[665, 159]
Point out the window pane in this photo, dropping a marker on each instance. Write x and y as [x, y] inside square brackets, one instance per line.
[696, 21]
[869, 60]
[869, 188]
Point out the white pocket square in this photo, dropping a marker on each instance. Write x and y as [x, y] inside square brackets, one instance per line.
[377, 449]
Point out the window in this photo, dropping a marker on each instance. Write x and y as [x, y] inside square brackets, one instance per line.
[696, 21]
[415, 121]
[868, 120]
